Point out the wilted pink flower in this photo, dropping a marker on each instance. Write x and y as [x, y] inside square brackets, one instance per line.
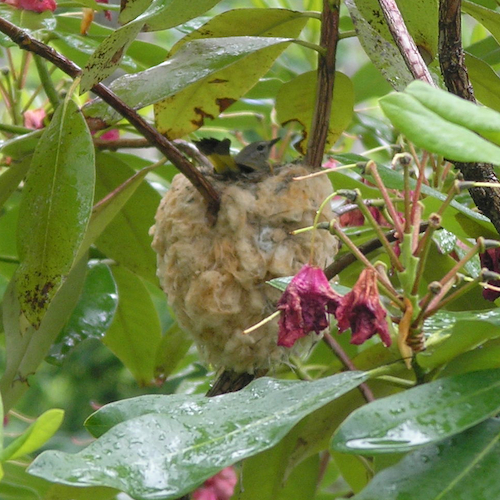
[36, 5]
[304, 305]
[219, 487]
[111, 135]
[491, 260]
[107, 13]
[33, 118]
[362, 311]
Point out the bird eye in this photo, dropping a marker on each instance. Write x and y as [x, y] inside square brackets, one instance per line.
[261, 147]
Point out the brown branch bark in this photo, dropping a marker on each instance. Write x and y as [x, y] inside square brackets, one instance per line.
[456, 78]
[26, 42]
[405, 42]
[324, 87]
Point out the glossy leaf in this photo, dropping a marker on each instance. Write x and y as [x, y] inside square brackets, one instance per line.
[21, 146]
[456, 110]
[92, 315]
[423, 415]
[432, 132]
[126, 239]
[37, 434]
[487, 17]
[26, 347]
[461, 468]
[194, 63]
[174, 345]
[135, 333]
[173, 443]
[451, 333]
[293, 106]
[55, 210]
[238, 30]
[108, 55]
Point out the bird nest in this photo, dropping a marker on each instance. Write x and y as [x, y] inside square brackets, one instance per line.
[215, 274]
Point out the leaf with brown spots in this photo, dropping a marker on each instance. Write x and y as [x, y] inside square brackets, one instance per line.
[55, 209]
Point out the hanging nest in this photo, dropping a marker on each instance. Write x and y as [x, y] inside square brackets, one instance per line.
[215, 275]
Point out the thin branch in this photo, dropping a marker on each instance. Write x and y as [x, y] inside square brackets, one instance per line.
[26, 42]
[324, 88]
[405, 42]
[456, 78]
[346, 361]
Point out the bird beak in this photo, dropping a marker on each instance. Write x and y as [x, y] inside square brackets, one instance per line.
[274, 141]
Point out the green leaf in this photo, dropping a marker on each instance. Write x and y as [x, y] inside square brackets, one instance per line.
[461, 468]
[239, 30]
[92, 315]
[292, 105]
[487, 17]
[452, 333]
[165, 14]
[26, 347]
[10, 179]
[126, 239]
[435, 134]
[195, 64]
[21, 146]
[165, 446]
[108, 55]
[423, 415]
[485, 81]
[454, 109]
[174, 345]
[35, 436]
[107, 208]
[55, 210]
[135, 333]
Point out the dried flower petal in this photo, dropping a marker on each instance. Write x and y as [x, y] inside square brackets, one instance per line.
[362, 311]
[304, 305]
[491, 260]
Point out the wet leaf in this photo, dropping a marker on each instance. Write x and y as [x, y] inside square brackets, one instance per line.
[295, 103]
[173, 443]
[55, 210]
[461, 468]
[92, 315]
[423, 415]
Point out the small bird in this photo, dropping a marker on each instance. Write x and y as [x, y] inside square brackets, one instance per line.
[253, 157]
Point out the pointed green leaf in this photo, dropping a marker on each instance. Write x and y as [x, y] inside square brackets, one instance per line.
[195, 63]
[461, 468]
[454, 109]
[490, 19]
[35, 436]
[55, 209]
[108, 55]
[295, 103]
[485, 81]
[135, 333]
[238, 29]
[423, 415]
[165, 446]
[430, 131]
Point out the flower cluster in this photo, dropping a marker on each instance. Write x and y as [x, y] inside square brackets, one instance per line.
[309, 298]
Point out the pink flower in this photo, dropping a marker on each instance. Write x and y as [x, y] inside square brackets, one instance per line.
[36, 5]
[304, 305]
[219, 487]
[111, 135]
[362, 311]
[107, 13]
[491, 260]
[33, 118]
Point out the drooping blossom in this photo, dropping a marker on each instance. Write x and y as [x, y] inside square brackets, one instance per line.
[33, 118]
[491, 260]
[219, 487]
[362, 311]
[304, 305]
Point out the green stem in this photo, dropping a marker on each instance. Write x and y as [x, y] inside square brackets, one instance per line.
[399, 382]
[312, 46]
[46, 81]
[14, 129]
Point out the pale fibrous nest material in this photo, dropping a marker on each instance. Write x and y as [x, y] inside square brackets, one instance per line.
[215, 274]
